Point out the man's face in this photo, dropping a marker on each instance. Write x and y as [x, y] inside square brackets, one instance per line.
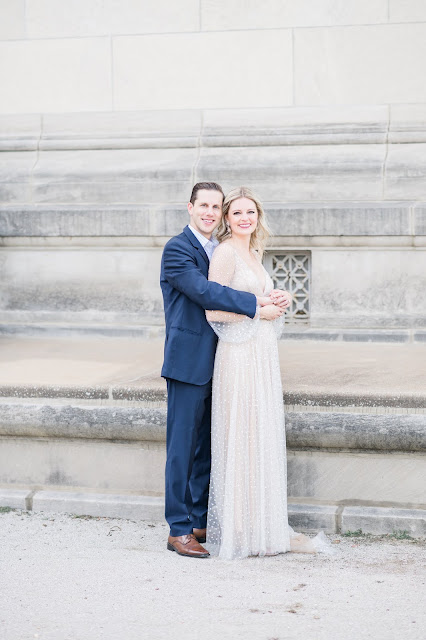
[206, 211]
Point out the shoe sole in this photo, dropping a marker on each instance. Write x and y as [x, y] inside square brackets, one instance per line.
[186, 555]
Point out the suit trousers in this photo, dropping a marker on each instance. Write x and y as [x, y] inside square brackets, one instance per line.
[188, 455]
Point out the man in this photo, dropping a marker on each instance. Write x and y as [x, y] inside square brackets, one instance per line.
[189, 352]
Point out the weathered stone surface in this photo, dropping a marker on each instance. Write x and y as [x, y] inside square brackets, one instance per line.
[69, 328]
[231, 59]
[12, 24]
[239, 14]
[92, 220]
[405, 175]
[129, 467]
[338, 65]
[92, 422]
[356, 431]
[15, 176]
[345, 219]
[55, 75]
[154, 175]
[360, 289]
[295, 126]
[299, 173]
[323, 430]
[402, 11]
[346, 335]
[306, 517]
[48, 19]
[420, 220]
[242, 127]
[45, 391]
[379, 520]
[407, 123]
[112, 130]
[89, 465]
[14, 498]
[20, 132]
[375, 336]
[322, 219]
[132, 507]
[347, 476]
[122, 287]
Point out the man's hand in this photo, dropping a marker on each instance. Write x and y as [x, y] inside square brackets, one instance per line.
[281, 298]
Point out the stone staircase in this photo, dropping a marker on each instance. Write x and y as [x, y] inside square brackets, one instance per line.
[82, 430]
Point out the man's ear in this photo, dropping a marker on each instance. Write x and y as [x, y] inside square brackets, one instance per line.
[190, 208]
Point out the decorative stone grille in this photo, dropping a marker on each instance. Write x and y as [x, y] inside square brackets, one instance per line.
[291, 270]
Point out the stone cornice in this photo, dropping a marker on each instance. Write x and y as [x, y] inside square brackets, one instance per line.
[287, 220]
[214, 128]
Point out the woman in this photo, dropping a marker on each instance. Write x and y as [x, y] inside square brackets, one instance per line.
[248, 488]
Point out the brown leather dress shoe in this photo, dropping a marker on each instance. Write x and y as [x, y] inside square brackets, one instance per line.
[200, 534]
[187, 546]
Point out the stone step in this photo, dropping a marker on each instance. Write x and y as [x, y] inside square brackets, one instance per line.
[307, 426]
[331, 518]
[116, 368]
[147, 329]
[88, 415]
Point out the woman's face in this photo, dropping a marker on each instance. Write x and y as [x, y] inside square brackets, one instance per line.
[242, 217]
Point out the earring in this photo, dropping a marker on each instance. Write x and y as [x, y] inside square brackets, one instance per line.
[228, 228]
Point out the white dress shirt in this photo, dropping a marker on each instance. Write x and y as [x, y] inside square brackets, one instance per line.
[208, 245]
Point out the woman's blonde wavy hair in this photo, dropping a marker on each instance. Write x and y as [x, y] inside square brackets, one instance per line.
[260, 234]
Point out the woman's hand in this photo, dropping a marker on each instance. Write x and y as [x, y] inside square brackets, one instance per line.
[270, 312]
[281, 298]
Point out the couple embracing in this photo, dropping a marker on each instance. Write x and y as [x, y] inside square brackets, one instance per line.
[226, 480]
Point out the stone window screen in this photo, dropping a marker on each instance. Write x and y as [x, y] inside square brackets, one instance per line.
[291, 270]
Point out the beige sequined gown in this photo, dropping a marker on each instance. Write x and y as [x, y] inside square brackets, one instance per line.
[248, 489]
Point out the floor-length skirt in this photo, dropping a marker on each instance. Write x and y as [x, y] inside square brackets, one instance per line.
[248, 487]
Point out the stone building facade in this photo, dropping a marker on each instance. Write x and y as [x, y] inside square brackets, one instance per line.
[111, 109]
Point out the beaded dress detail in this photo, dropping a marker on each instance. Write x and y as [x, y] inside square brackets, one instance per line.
[247, 513]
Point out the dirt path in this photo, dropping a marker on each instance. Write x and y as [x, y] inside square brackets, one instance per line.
[68, 578]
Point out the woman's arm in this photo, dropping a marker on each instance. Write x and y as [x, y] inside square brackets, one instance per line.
[222, 268]
[180, 270]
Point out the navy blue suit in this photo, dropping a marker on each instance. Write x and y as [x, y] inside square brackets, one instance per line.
[189, 353]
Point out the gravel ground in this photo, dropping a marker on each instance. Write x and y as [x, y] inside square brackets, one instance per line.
[74, 578]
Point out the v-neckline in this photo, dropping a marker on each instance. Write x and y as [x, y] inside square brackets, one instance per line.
[251, 269]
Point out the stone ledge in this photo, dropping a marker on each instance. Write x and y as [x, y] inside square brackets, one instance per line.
[209, 127]
[305, 429]
[153, 327]
[384, 219]
[16, 498]
[49, 329]
[362, 124]
[337, 173]
[105, 505]
[306, 517]
[302, 517]
[151, 391]
[379, 520]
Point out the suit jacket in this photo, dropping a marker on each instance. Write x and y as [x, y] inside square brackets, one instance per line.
[190, 344]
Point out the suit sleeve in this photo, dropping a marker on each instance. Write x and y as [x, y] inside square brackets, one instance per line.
[182, 273]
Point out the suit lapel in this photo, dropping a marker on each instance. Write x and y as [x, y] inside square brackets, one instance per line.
[196, 244]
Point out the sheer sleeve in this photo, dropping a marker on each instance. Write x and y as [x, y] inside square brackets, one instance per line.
[230, 327]
[278, 324]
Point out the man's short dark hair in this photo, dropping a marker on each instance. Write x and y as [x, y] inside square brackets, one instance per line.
[209, 186]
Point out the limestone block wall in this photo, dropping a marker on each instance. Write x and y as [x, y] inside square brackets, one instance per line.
[112, 109]
[126, 55]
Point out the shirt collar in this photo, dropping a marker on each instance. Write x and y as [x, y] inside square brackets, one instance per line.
[202, 239]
